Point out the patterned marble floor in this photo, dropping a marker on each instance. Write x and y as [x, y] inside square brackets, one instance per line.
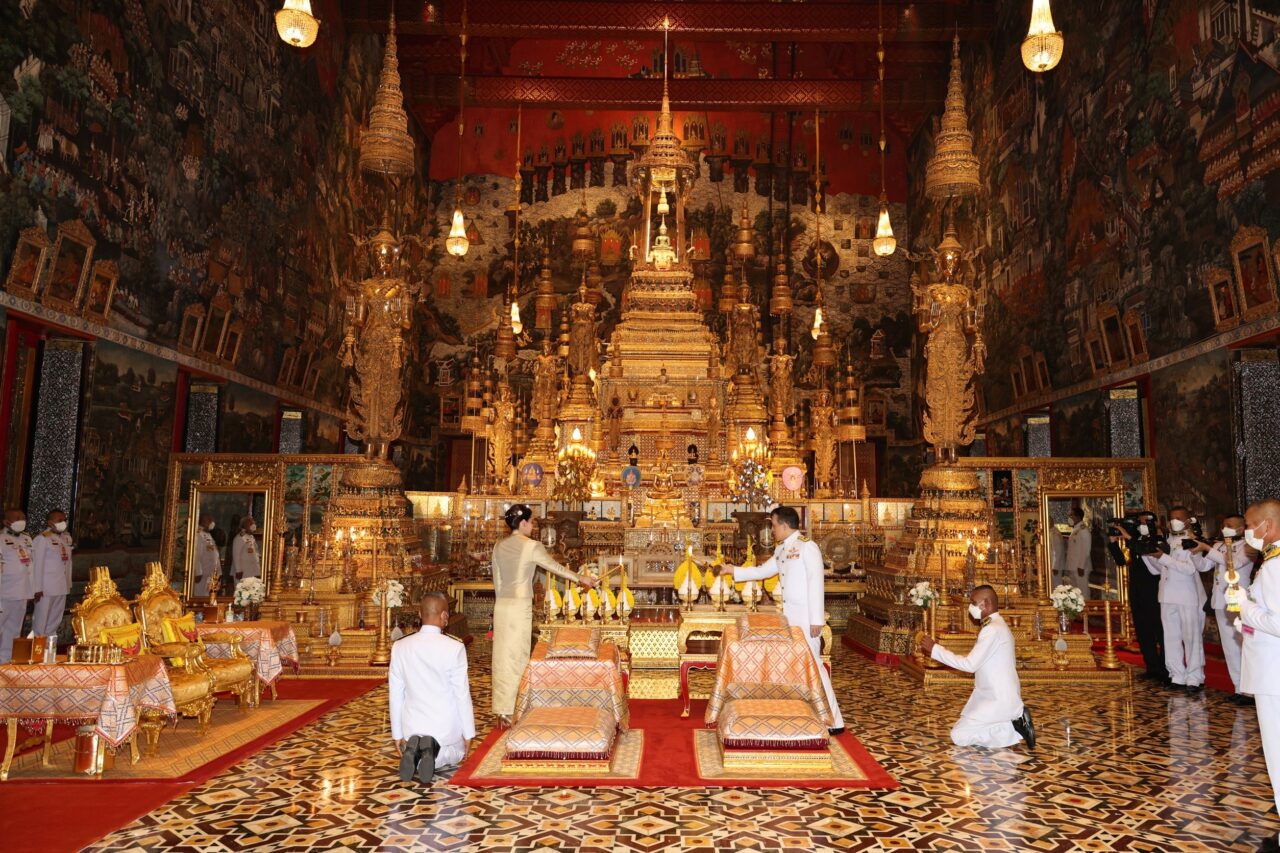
[1133, 770]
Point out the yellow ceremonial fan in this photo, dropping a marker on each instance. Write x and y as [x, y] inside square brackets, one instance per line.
[625, 599]
[553, 596]
[572, 599]
[749, 561]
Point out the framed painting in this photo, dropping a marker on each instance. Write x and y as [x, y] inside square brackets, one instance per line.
[192, 326]
[1042, 372]
[102, 289]
[1222, 296]
[1097, 356]
[215, 326]
[1135, 335]
[1113, 336]
[1255, 274]
[231, 343]
[66, 274]
[1018, 383]
[29, 259]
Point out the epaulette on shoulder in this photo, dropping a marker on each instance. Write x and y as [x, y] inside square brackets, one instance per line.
[804, 537]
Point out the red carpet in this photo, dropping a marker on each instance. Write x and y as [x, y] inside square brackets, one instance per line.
[1216, 676]
[102, 806]
[669, 760]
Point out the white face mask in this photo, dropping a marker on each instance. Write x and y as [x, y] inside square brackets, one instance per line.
[253, 528]
[18, 526]
[60, 526]
[1253, 540]
[1230, 532]
[1177, 525]
[211, 526]
[975, 612]
[1144, 530]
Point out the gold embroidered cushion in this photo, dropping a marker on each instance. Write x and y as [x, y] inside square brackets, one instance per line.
[180, 630]
[565, 732]
[574, 643]
[755, 626]
[771, 724]
[127, 637]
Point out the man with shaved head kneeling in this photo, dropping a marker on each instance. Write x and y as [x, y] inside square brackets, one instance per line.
[432, 721]
[994, 716]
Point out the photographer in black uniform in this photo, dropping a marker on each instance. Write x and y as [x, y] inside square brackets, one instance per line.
[1139, 536]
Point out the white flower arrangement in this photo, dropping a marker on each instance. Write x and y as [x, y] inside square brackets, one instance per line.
[1067, 600]
[249, 591]
[395, 594]
[922, 594]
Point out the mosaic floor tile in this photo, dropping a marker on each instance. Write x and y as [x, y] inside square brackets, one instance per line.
[1134, 769]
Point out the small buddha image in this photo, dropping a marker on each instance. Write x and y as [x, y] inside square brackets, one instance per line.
[693, 454]
[633, 454]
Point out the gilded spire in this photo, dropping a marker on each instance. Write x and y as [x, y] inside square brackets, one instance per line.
[386, 147]
[953, 170]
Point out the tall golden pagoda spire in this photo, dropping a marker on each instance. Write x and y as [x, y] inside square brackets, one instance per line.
[386, 147]
[953, 168]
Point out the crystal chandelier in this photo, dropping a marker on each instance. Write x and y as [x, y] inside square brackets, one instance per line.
[884, 243]
[457, 243]
[1042, 48]
[296, 25]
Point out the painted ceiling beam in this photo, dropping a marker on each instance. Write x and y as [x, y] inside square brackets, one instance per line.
[738, 21]
[686, 94]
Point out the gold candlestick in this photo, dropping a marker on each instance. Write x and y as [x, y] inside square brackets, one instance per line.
[382, 650]
[1109, 659]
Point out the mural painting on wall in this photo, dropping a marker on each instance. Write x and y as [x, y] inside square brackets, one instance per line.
[187, 140]
[1195, 429]
[248, 421]
[125, 443]
[321, 433]
[1117, 185]
[1080, 426]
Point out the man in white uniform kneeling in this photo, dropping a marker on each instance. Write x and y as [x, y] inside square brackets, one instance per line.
[994, 716]
[432, 720]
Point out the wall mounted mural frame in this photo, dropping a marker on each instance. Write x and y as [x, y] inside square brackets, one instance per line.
[68, 270]
[1112, 334]
[1255, 273]
[30, 255]
[191, 328]
[102, 289]
[1222, 296]
[1135, 336]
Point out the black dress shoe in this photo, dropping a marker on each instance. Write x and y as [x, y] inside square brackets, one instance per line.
[428, 749]
[1024, 727]
[1270, 845]
[1194, 688]
[836, 731]
[408, 758]
[1242, 700]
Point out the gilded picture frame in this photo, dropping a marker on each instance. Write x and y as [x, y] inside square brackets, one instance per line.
[217, 320]
[26, 267]
[190, 329]
[101, 290]
[267, 525]
[67, 272]
[1111, 331]
[1135, 336]
[1222, 296]
[1255, 273]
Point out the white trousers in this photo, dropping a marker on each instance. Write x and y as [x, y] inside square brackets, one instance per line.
[1232, 642]
[1269, 722]
[967, 732]
[48, 615]
[15, 609]
[815, 645]
[1183, 643]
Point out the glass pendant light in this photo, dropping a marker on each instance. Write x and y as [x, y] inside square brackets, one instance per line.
[457, 242]
[1042, 48]
[884, 244]
[296, 25]
[516, 325]
[816, 331]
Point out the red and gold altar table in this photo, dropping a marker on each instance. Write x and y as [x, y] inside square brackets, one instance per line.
[582, 681]
[269, 644]
[110, 697]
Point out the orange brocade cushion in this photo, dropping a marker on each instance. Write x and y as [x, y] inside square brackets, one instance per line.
[574, 643]
[127, 637]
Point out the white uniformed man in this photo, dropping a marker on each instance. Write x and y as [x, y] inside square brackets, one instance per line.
[1260, 624]
[245, 562]
[1232, 527]
[1079, 552]
[1182, 601]
[208, 563]
[994, 717]
[51, 574]
[432, 720]
[16, 585]
[797, 561]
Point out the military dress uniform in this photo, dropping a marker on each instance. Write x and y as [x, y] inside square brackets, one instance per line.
[16, 587]
[797, 561]
[1260, 624]
[996, 701]
[51, 577]
[429, 695]
[1182, 601]
[208, 564]
[1231, 640]
[245, 562]
[1079, 558]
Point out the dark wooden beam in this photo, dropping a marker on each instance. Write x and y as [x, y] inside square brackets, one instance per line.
[755, 95]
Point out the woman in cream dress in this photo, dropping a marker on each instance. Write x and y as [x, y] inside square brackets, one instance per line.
[515, 559]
